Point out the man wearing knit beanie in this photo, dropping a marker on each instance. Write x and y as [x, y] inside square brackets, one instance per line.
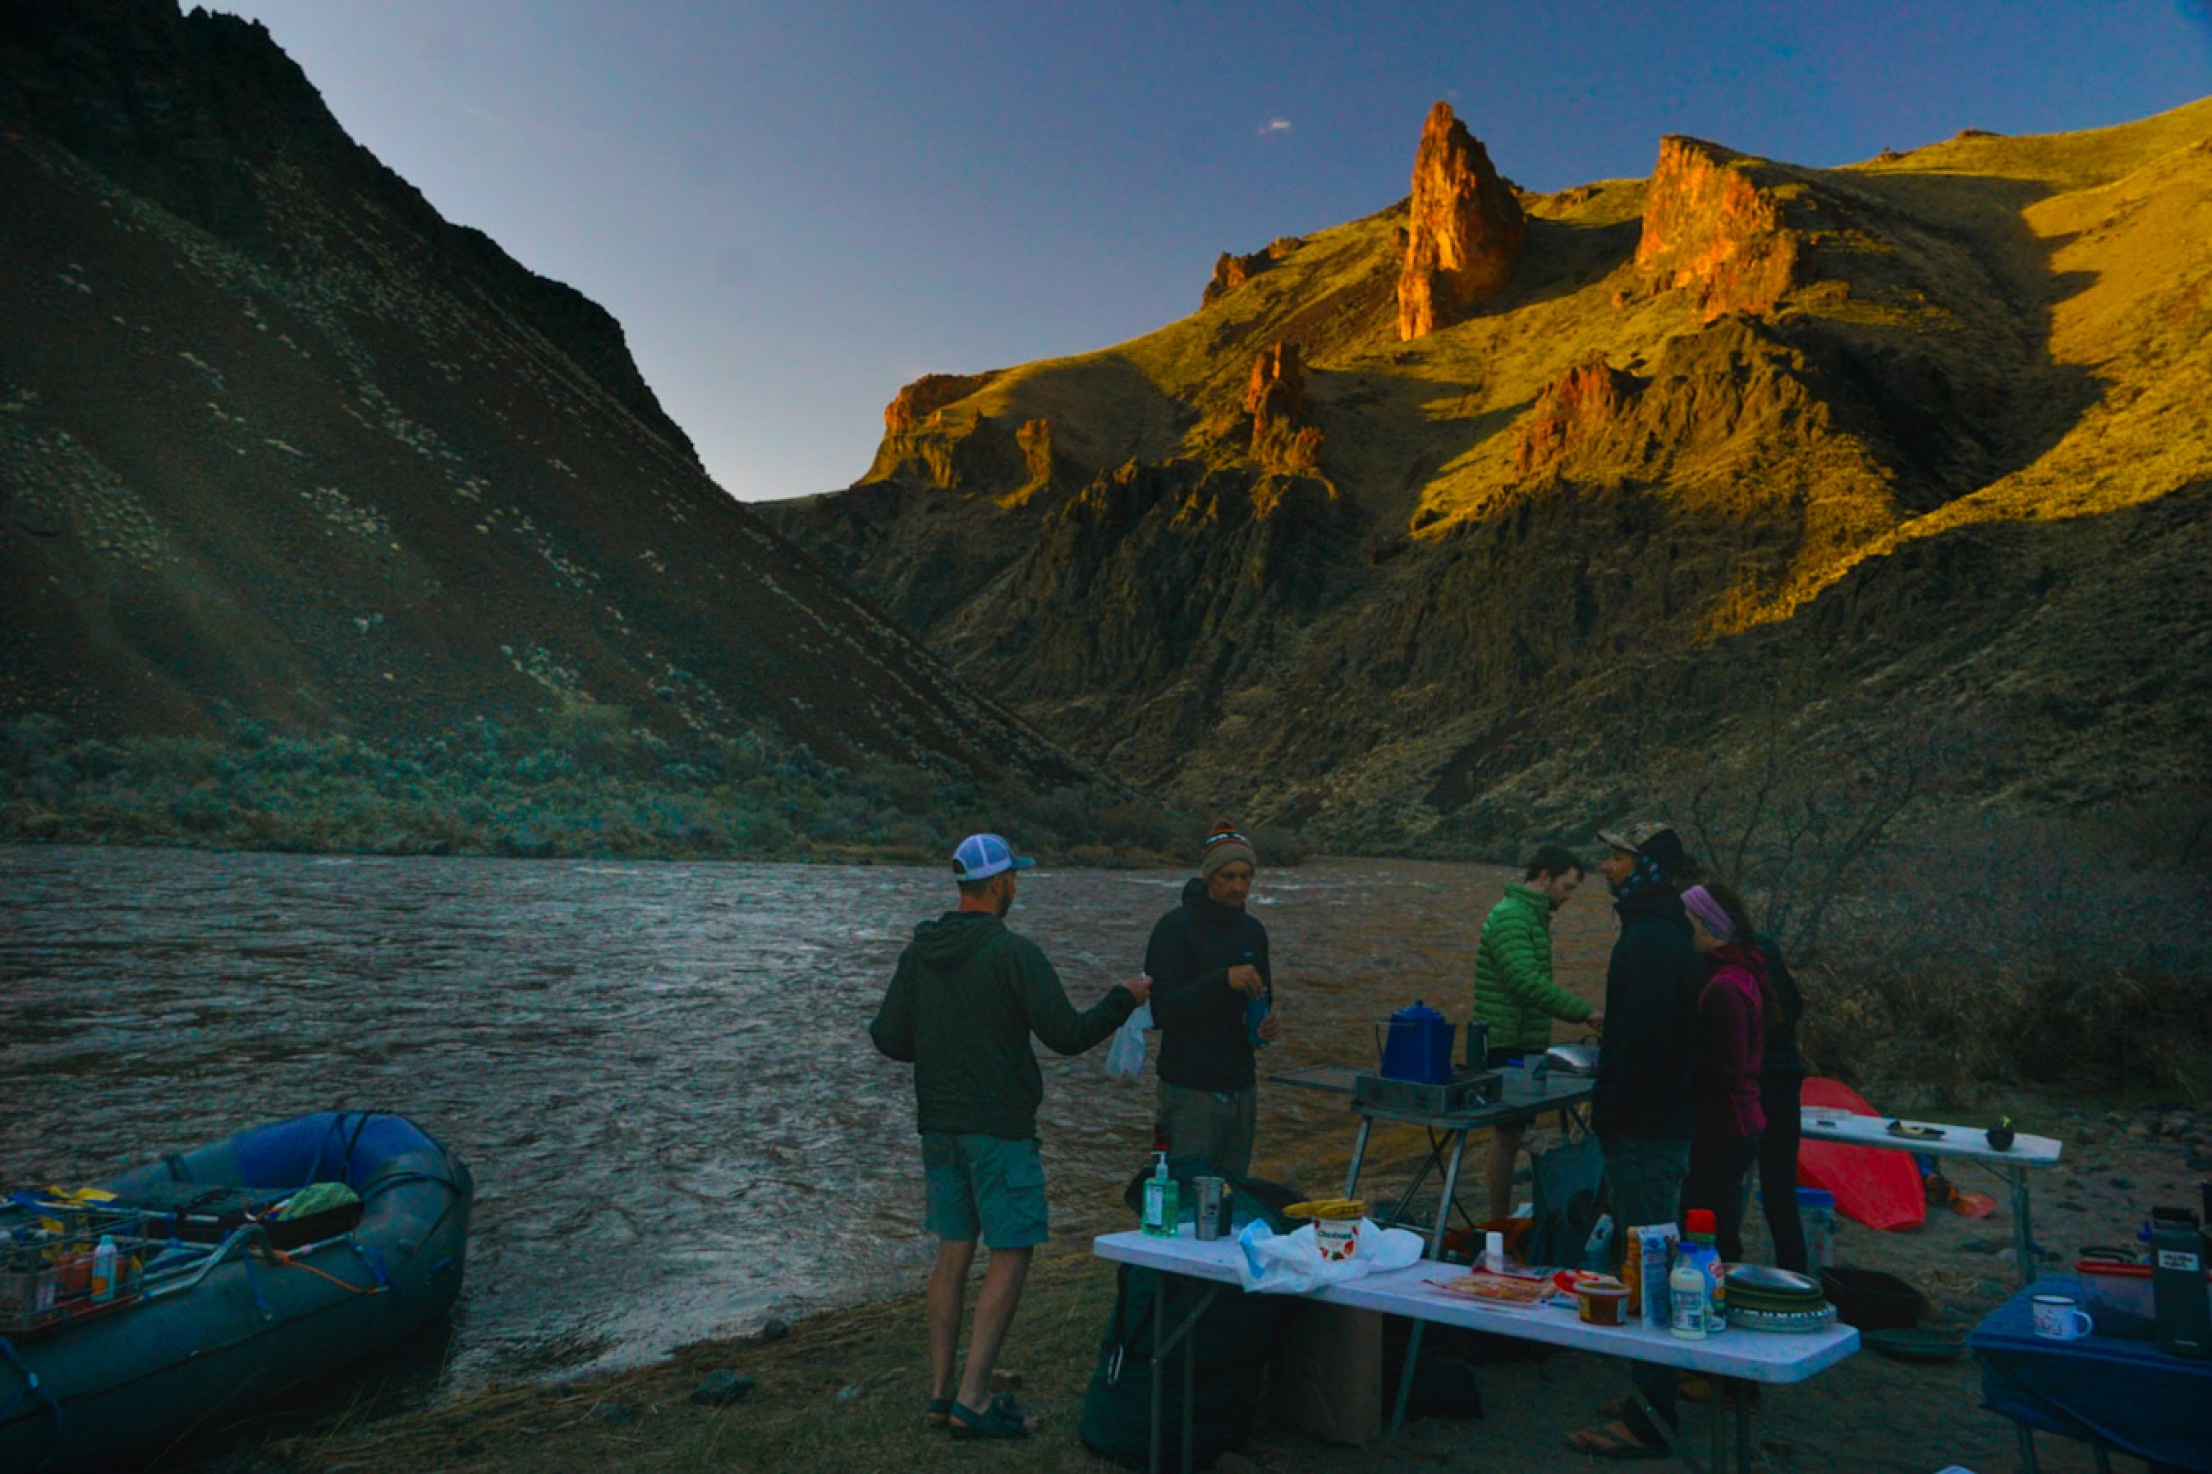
[1212, 996]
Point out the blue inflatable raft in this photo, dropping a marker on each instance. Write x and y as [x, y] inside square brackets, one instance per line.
[177, 1296]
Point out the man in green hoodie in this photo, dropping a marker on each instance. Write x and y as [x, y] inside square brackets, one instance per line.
[966, 997]
[1514, 991]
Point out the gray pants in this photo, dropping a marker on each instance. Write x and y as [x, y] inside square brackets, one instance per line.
[1216, 1125]
[1644, 1181]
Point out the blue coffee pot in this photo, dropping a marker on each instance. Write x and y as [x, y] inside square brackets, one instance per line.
[1417, 1045]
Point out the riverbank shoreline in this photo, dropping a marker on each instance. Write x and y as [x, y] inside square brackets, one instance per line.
[844, 1389]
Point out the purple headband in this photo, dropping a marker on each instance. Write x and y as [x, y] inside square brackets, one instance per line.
[1699, 901]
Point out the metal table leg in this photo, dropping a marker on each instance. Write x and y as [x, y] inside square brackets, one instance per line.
[1717, 1449]
[1668, 1433]
[2026, 1435]
[1451, 1195]
[1159, 1327]
[1190, 1386]
[1742, 1392]
[1436, 1248]
[1163, 1341]
[1359, 1153]
[2023, 1239]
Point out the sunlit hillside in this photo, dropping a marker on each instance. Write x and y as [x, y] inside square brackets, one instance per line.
[1933, 430]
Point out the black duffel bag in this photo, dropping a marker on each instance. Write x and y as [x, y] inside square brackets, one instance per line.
[1235, 1341]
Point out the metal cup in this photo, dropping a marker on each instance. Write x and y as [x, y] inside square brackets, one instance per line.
[1211, 1209]
[1478, 1044]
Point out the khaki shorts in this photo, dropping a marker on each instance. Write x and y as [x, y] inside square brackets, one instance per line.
[983, 1184]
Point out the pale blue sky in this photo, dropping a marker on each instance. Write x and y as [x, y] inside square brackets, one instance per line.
[794, 209]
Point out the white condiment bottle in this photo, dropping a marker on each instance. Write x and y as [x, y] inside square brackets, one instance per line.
[1686, 1295]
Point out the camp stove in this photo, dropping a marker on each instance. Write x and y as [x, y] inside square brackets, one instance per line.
[1467, 1090]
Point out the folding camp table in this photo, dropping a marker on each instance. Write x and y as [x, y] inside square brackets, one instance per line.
[1821, 1123]
[1732, 1360]
[1522, 1098]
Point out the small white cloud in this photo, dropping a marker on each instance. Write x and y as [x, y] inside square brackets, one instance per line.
[1274, 126]
[497, 122]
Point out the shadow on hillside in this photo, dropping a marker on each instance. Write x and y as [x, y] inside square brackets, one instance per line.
[1560, 259]
[1103, 410]
[1955, 408]
[1387, 435]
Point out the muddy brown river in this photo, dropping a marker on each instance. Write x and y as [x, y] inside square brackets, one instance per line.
[660, 1073]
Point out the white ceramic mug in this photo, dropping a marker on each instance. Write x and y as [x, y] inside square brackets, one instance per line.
[2058, 1318]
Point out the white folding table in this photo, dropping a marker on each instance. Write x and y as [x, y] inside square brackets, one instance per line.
[1731, 1359]
[1820, 1123]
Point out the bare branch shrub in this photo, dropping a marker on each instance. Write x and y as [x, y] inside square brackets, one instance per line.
[1943, 940]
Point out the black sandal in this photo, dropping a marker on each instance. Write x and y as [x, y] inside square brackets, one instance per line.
[1000, 1420]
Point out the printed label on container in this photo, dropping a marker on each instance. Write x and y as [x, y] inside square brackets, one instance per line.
[2177, 1259]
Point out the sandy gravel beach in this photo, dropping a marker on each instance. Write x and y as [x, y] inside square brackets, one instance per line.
[843, 1391]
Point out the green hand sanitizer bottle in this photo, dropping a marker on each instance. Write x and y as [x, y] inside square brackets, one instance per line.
[1162, 1213]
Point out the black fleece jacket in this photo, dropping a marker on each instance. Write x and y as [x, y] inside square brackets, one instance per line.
[1651, 1036]
[1202, 1040]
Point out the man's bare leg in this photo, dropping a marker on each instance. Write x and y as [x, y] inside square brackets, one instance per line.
[994, 1313]
[1505, 1151]
[948, 1285]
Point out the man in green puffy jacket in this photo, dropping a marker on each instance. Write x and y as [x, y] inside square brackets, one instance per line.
[1514, 991]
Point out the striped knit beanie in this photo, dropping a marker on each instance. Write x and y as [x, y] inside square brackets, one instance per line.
[1225, 846]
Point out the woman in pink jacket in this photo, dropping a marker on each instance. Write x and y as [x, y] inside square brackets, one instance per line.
[1726, 1117]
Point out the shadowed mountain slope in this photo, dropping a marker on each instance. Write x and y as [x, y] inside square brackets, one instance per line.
[1925, 441]
[279, 444]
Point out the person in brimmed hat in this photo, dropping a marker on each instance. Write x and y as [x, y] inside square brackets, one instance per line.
[966, 997]
[1210, 977]
[1640, 1106]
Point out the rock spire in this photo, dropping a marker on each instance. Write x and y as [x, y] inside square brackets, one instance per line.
[1464, 232]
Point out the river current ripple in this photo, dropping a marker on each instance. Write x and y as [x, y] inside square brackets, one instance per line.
[659, 1073]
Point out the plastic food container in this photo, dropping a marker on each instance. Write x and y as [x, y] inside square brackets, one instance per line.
[2119, 1299]
[1602, 1303]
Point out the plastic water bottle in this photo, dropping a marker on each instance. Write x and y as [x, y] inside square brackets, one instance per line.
[1699, 1227]
[1817, 1212]
[103, 1269]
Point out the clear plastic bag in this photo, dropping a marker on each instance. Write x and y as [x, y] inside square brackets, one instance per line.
[1125, 1056]
[1289, 1263]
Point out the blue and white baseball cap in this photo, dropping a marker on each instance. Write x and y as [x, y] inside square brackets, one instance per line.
[982, 856]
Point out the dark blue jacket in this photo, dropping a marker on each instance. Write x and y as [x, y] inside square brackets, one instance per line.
[1203, 1043]
[1650, 1041]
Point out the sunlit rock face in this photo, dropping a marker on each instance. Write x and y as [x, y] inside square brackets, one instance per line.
[1232, 271]
[1276, 401]
[1574, 409]
[1710, 229]
[1463, 232]
[917, 401]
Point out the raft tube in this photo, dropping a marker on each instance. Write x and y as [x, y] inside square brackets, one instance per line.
[247, 1323]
